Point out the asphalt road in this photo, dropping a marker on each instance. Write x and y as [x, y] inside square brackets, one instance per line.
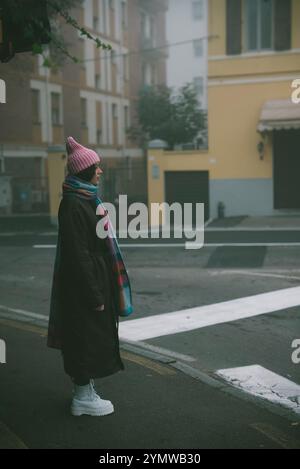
[211, 236]
[180, 411]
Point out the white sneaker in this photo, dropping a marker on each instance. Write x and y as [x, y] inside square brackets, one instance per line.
[86, 401]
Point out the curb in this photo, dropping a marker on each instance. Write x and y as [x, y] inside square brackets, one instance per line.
[204, 377]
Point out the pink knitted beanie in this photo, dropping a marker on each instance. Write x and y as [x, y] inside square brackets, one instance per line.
[79, 157]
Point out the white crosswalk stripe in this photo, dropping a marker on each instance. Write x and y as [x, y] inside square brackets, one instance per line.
[265, 384]
[203, 316]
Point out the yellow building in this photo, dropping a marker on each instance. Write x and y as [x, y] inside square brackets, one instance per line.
[252, 164]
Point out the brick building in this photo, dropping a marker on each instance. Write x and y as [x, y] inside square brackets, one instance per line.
[94, 101]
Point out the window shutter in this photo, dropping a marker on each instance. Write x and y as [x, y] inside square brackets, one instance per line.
[233, 27]
[283, 18]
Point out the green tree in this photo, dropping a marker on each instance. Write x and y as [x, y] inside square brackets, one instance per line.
[175, 118]
[34, 25]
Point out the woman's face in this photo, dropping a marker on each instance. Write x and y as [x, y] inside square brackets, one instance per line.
[95, 179]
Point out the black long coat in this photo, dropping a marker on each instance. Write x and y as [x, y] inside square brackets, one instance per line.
[90, 342]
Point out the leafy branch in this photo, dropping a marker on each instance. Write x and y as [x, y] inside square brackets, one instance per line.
[34, 26]
[57, 44]
[70, 20]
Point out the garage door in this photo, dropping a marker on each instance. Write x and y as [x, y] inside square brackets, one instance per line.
[286, 169]
[188, 186]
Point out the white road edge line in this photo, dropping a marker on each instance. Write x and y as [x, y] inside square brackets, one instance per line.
[261, 228]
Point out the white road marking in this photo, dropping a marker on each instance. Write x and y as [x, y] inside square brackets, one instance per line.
[48, 233]
[182, 245]
[252, 273]
[156, 230]
[203, 316]
[260, 229]
[17, 233]
[252, 244]
[44, 246]
[175, 245]
[265, 384]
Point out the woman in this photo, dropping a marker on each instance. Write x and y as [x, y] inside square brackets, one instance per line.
[90, 285]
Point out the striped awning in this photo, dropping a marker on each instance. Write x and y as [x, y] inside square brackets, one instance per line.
[279, 115]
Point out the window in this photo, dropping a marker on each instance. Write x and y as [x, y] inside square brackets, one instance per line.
[199, 86]
[83, 105]
[198, 47]
[126, 117]
[113, 57]
[35, 100]
[255, 25]
[99, 136]
[115, 111]
[144, 74]
[81, 53]
[124, 15]
[55, 108]
[125, 67]
[198, 10]
[104, 12]
[148, 74]
[98, 82]
[258, 24]
[152, 28]
[96, 23]
[147, 26]
[143, 24]
[111, 4]
[153, 75]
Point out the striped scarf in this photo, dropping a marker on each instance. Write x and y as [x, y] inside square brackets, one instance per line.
[76, 187]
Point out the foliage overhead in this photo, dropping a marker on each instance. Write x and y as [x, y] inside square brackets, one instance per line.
[35, 26]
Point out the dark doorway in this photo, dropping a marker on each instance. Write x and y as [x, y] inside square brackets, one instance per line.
[286, 145]
[188, 186]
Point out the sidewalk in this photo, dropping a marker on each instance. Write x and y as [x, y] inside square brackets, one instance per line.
[25, 222]
[156, 406]
[41, 224]
[283, 221]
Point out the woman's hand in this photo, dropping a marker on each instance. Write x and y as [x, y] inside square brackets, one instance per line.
[100, 308]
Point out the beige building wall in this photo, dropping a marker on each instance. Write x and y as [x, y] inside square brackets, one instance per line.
[238, 87]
